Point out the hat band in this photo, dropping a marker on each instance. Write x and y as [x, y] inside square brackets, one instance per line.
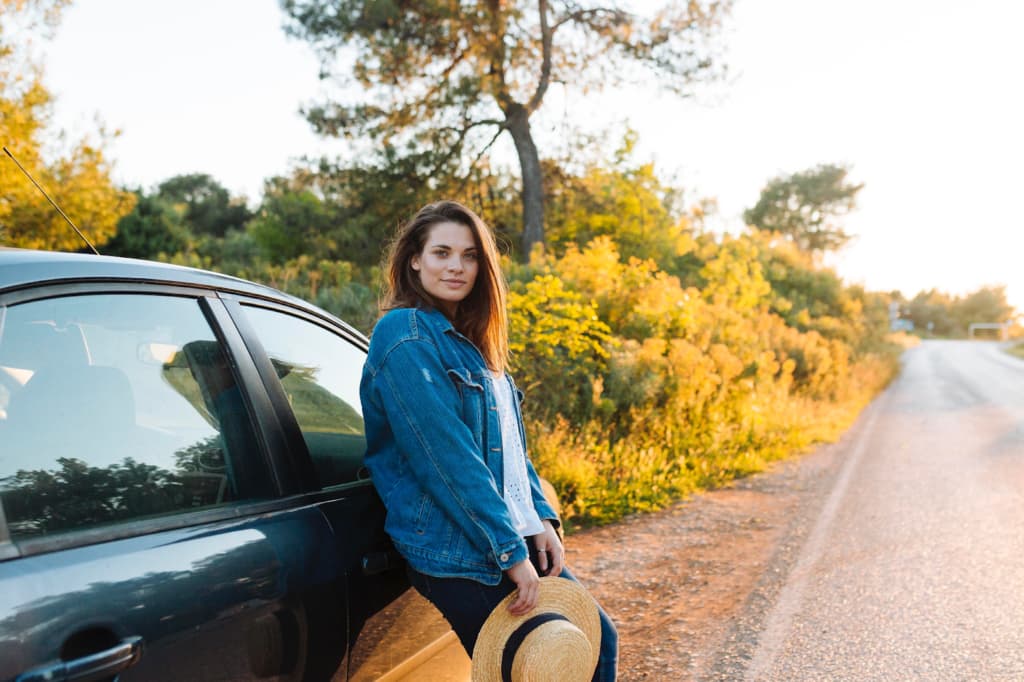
[508, 655]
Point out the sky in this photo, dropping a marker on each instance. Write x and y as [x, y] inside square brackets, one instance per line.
[921, 98]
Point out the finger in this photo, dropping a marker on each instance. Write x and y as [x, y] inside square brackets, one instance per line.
[523, 602]
[542, 559]
[532, 593]
[517, 606]
[557, 563]
[528, 596]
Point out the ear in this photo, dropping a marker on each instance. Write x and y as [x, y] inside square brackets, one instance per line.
[414, 262]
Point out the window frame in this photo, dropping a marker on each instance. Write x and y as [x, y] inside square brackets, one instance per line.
[263, 419]
[298, 453]
[8, 550]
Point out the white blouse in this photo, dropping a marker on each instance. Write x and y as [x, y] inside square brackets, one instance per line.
[517, 483]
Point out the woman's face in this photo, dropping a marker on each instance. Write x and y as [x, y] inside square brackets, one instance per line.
[448, 264]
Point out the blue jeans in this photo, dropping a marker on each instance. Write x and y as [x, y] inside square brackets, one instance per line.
[466, 604]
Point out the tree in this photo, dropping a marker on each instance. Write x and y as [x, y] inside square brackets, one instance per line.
[805, 206]
[369, 198]
[448, 78]
[209, 208]
[940, 314]
[625, 201]
[932, 312]
[987, 304]
[801, 291]
[78, 180]
[153, 227]
[292, 221]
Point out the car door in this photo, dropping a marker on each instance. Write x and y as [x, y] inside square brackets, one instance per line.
[313, 366]
[149, 524]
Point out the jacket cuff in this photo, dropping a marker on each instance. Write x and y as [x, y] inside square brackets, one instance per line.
[509, 556]
[546, 511]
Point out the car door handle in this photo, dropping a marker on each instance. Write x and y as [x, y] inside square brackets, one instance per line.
[96, 666]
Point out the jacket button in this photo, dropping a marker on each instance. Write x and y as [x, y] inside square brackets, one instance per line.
[504, 558]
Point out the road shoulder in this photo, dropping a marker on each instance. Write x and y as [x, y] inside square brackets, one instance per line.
[689, 587]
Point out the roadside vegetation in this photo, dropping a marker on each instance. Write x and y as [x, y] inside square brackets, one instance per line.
[1016, 350]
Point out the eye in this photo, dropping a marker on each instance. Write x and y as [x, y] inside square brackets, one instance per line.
[471, 255]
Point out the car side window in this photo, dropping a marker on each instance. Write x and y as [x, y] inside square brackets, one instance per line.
[320, 373]
[118, 407]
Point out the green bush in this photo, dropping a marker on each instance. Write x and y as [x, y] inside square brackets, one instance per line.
[693, 388]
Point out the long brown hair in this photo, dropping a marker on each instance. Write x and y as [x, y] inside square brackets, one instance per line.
[481, 316]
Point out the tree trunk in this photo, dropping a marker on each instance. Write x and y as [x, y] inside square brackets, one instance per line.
[529, 164]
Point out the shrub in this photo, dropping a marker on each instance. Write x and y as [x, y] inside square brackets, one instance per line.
[666, 389]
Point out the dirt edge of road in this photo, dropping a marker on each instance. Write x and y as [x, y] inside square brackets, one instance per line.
[689, 587]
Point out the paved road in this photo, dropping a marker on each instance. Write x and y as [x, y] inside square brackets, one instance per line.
[913, 567]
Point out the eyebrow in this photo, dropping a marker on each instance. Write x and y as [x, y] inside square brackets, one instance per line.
[450, 248]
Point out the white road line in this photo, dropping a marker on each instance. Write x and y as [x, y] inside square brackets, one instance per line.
[780, 619]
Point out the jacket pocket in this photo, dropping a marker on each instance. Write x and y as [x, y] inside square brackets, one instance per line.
[423, 513]
[410, 512]
[472, 401]
[464, 380]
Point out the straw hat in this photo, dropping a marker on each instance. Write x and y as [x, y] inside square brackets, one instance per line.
[559, 640]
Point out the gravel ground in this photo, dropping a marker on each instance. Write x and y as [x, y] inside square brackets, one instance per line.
[688, 587]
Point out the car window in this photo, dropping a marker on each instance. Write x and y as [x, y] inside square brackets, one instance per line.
[320, 373]
[118, 407]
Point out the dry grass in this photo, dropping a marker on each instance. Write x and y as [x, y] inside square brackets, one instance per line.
[1017, 349]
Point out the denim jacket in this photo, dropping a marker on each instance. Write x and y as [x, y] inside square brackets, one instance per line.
[433, 448]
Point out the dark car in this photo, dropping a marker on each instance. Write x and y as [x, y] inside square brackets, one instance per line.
[182, 491]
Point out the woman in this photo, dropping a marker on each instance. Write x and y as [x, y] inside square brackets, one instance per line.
[445, 440]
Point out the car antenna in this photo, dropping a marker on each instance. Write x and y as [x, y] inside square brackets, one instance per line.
[52, 202]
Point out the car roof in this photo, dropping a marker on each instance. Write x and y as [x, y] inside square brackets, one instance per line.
[21, 268]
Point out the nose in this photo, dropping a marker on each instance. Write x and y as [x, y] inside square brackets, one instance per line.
[455, 265]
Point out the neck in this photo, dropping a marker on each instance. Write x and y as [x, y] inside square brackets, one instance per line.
[449, 309]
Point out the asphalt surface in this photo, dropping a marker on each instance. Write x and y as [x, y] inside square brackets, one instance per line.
[910, 564]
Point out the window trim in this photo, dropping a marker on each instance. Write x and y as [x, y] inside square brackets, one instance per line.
[45, 291]
[8, 549]
[74, 538]
[262, 415]
[331, 324]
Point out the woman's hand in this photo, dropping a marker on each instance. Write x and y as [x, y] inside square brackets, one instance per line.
[552, 553]
[524, 575]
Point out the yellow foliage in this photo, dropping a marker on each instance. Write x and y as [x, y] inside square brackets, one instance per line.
[903, 339]
[79, 182]
[689, 388]
[557, 339]
[734, 276]
[624, 203]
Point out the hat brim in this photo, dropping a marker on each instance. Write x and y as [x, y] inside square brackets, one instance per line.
[557, 595]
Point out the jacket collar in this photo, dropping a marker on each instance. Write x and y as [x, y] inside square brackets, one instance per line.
[437, 318]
